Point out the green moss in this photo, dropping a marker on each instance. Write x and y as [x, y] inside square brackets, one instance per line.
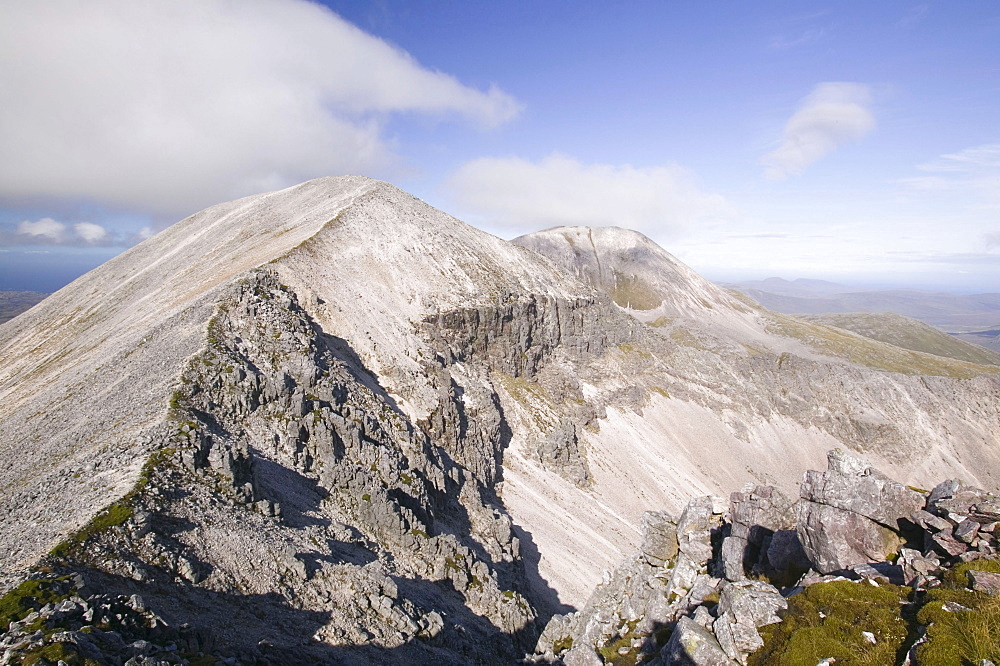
[419, 533]
[113, 516]
[827, 620]
[54, 653]
[563, 644]
[366, 497]
[957, 636]
[959, 574]
[30, 596]
[610, 652]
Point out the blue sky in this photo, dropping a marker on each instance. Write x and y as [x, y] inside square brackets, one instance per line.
[855, 141]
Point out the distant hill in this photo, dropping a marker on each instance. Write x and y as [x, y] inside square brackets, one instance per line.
[973, 318]
[907, 333]
[13, 303]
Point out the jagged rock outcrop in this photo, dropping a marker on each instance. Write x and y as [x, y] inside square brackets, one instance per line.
[724, 622]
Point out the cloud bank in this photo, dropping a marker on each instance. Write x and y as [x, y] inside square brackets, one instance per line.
[833, 114]
[167, 107]
[516, 195]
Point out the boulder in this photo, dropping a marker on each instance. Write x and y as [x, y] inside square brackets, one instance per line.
[744, 606]
[852, 513]
[756, 515]
[984, 581]
[659, 538]
[694, 528]
[760, 513]
[861, 489]
[785, 553]
[734, 553]
[834, 539]
[693, 645]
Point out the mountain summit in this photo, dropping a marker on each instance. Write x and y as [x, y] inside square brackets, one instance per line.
[333, 423]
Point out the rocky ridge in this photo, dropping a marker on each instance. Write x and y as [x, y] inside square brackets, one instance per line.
[335, 424]
[716, 585]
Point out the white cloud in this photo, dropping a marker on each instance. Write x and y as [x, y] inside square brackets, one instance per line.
[90, 232]
[832, 115]
[166, 107]
[44, 229]
[47, 231]
[516, 195]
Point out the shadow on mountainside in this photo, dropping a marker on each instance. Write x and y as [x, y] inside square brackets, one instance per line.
[268, 629]
[545, 597]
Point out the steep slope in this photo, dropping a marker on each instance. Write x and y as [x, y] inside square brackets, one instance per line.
[332, 423]
[907, 333]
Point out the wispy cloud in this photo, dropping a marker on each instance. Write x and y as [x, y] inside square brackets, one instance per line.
[913, 17]
[799, 39]
[833, 114]
[801, 29]
[167, 107]
[973, 171]
[518, 195]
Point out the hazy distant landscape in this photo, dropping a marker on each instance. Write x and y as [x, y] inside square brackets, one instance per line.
[13, 303]
[971, 317]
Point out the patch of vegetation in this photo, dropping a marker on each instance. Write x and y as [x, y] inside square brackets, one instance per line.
[629, 291]
[963, 626]
[685, 338]
[31, 595]
[118, 513]
[631, 349]
[54, 653]
[563, 644]
[879, 355]
[113, 516]
[827, 620]
[610, 652]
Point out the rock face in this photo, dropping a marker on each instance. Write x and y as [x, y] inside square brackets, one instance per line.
[332, 423]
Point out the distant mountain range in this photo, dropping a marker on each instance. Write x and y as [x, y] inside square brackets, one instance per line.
[970, 317]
